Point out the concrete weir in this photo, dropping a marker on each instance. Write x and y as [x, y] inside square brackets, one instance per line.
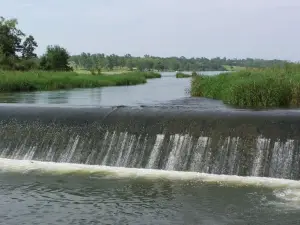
[241, 143]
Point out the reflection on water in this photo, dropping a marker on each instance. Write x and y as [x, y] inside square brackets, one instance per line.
[156, 91]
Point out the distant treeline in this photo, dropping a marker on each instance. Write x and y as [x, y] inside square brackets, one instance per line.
[17, 52]
[93, 61]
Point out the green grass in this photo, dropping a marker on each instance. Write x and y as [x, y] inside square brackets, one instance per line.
[234, 68]
[107, 72]
[149, 75]
[252, 88]
[184, 75]
[13, 81]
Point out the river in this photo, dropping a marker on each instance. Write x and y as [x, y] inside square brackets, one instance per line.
[52, 194]
[43, 179]
[166, 90]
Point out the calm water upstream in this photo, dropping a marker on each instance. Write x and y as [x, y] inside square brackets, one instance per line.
[40, 192]
[156, 91]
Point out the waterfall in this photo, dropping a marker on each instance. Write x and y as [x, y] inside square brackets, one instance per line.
[237, 143]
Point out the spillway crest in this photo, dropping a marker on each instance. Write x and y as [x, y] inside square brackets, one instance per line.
[220, 142]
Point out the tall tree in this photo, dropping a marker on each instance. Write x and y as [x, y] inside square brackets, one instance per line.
[10, 37]
[29, 46]
[56, 58]
[10, 43]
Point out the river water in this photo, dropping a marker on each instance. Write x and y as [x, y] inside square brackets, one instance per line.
[36, 192]
[167, 90]
[33, 193]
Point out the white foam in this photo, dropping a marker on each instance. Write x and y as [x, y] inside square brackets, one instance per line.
[27, 166]
[289, 198]
[286, 191]
[289, 194]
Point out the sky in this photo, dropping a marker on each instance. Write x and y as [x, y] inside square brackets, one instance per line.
[265, 29]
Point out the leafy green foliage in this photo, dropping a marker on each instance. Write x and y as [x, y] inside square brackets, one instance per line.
[147, 63]
[29, 46]
[15, 54]
[55, 59]
[254, 88]
[10, 37]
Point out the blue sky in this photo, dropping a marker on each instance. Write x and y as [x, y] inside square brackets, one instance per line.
[192, 28]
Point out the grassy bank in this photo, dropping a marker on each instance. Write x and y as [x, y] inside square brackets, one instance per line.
[12, 81]
[253, 88]
[84, 71]
[184, 75]
[234, 68]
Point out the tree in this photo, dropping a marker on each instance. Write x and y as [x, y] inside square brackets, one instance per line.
[148, 62]
[159, 66]
[29, 46]
[10, 37]
[129, 64]
[10, 42]
[12, 47]
[2, 56]
[110, 63]
[56, 58]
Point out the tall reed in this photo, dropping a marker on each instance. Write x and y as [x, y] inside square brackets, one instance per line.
[254, 88]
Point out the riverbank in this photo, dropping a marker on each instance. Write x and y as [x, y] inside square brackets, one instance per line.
[252, 88]
[14, 81]
[183, 75]
[234, 68]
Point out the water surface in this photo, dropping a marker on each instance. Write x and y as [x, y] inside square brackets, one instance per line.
[155, 91]
[34, 192]
[70, 195]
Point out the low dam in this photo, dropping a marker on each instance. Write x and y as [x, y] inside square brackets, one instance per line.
[243, 143]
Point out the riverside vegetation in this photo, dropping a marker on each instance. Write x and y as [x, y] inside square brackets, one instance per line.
[113, 62]
[22, 70]
[253, 88]
[184, 75]
[11, 81]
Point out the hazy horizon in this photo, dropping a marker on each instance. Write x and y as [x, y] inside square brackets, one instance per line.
[191, 28]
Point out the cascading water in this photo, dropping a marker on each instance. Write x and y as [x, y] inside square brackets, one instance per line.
[235, 143]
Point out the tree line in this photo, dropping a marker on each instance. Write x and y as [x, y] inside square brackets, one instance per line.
[17, 51]
[93, 61]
